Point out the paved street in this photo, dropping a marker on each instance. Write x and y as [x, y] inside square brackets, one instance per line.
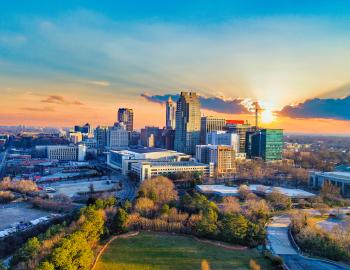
[277, 235]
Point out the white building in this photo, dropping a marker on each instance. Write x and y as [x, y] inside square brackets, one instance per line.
[66, 152]
[123, 159]
[148, 169]
[117, 136]
[75, 137]
[223, 138]
[340, 179]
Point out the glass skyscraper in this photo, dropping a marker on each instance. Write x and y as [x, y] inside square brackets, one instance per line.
[188, 123]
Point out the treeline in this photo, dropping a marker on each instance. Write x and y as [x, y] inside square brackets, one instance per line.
[66, 246]
[159, 208]
[334, 245]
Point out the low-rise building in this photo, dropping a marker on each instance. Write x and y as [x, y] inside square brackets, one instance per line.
[123, 159]
[340, 179]
[66, 152]
[148, 169]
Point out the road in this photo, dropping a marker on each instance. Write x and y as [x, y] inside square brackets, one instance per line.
[277, 235]
[128, 191]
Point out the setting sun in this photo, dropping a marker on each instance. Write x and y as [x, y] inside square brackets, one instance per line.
[267, 116]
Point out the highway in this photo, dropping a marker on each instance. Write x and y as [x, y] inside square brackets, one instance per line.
[279, 242]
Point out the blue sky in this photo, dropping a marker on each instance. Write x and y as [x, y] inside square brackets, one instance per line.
[111, 53]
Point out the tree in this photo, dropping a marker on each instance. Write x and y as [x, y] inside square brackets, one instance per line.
[254, 265]
[230, 205]
[257, 210]
[73, 253]
[119, 221]
[165, 209]
[144, 206]
[159, 189]
[45, 266]
[28, 251]
[205, 265]
[278, 200]
[234, 228]
[243, 191]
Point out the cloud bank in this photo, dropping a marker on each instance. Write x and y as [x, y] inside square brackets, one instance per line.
[332, 108]
[220, 105]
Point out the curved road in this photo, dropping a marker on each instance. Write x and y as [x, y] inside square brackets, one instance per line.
[277, 236]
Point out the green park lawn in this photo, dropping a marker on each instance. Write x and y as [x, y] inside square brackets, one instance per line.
[151, 251]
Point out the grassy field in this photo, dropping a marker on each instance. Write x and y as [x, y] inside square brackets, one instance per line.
[150, 251]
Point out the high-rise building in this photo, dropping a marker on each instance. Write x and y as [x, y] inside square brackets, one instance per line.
[100, 135]
[188, 123]
[210, 123]
[221, 156]
[241, 129]
[170, 114]
[126, 116]
[117, 136]
[223, 138]
[151, 137]
[266, 144]
[85, 129]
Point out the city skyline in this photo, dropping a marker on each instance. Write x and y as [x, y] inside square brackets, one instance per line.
[75, 63]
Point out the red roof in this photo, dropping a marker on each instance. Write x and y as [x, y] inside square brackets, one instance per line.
[234, 122]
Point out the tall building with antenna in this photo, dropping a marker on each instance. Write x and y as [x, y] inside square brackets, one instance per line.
[170, 114]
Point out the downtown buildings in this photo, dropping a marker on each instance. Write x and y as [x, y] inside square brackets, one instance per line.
[188, 123]
[126, 116]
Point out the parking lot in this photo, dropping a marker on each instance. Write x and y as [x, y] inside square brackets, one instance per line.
[17, 212]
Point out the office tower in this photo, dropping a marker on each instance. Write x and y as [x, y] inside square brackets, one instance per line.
[85, 129]
[188, 123]
[126, 116]
[210, 123]
[223, 138]
[266, 144]
[170, 114]
[118, 136]
[100, 135]
[238, 127]
[151, 137]
[168, 138]
[222, 156]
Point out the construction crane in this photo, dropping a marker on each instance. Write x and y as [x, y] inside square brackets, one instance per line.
[258, 109]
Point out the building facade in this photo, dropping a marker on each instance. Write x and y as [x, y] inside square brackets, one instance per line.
[209, 124]
[170, 114]
[100, 135]
[126, 116]
[188, 123]
[66, 152]
[266, 144]
[221, 156]
[223, 138]
[117, 136]
[340, 179]
[241, 130]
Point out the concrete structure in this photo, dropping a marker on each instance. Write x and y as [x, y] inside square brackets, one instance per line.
[188, 123]
[266, 144]
[117, 136]
[209, 124]
[126, 116]
[66, 152]
[148, 169]
[221, 156]
[222, 190]
[340, 179]
[123, 159]
[223, 138]
[170, 114]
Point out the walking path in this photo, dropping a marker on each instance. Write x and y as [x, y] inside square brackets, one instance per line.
[280, 244]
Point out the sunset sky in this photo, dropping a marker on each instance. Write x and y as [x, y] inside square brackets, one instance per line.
[78, 61]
